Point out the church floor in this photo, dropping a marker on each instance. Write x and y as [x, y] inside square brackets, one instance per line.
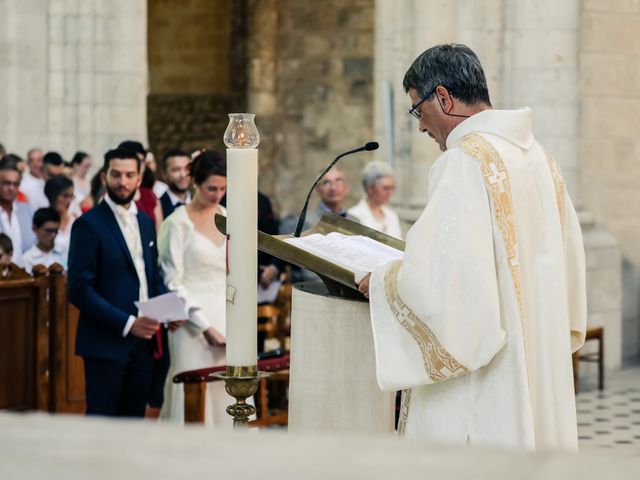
[610, 419]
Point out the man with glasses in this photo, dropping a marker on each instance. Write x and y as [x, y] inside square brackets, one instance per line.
[15, 217]
[478, 322]
[46, 223]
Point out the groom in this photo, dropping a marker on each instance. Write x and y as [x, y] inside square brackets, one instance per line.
[112, 264]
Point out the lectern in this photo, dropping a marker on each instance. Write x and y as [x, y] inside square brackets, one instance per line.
[332, 384]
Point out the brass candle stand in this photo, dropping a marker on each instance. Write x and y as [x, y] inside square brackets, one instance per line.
[241, 383]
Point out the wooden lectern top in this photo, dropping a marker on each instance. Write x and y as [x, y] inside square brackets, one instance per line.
[339, 281]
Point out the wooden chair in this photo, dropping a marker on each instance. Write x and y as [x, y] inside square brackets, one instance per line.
[195, 382]
[593, 333]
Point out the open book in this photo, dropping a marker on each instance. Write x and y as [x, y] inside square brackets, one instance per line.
[356, 253]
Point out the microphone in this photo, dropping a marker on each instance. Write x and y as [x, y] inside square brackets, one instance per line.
[303, 213]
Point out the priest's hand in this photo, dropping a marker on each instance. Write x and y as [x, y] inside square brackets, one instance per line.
[363, 286]
[173, 326]
[145, 327]
[214, 337]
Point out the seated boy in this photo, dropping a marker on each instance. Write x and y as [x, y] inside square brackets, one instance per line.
[46, 223]
[6, 251]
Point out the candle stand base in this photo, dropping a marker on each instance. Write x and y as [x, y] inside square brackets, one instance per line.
[241, 383]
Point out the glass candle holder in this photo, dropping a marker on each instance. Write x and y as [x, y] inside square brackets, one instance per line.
[241, 131]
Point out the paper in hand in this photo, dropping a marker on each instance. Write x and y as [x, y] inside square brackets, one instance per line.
[164, 308]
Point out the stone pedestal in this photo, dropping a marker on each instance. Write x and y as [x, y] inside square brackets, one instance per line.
[333, 383]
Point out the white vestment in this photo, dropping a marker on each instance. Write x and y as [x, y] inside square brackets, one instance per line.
[478, 322]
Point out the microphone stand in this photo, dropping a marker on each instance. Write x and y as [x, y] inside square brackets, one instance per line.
[303, 213]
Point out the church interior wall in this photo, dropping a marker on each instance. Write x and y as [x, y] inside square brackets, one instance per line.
[609, 144]
[189, 74]
[310, 83]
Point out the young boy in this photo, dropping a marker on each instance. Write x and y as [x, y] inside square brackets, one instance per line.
[6, 251]
[46, 222]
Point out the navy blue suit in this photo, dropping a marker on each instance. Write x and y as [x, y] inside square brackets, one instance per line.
[104, 285]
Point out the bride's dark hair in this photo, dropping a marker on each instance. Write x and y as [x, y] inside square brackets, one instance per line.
[206, 164]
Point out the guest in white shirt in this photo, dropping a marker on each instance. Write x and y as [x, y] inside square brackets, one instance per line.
[378, 184]
[59, 191]
[176, 165]
[15, 217]
[32, 186]
[46, 222]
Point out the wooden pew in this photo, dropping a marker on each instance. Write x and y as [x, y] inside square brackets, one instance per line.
[67, 369]
[38, 369]
[24, 340]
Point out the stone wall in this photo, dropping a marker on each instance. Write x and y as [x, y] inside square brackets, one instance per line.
[609, 145]
[74, 74]
[311, 87]
[191, 69]
[533, 52]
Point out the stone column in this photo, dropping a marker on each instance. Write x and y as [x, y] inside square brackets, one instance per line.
[74, 74]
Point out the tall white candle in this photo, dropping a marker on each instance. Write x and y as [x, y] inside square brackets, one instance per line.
[242, 228]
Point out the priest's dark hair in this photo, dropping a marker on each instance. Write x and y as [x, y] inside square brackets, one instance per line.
[206, 164]
[120, 154]
[454, 66]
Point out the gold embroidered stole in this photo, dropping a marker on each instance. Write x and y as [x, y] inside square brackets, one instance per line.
[558, 183]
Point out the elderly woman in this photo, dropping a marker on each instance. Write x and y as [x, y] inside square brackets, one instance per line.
[378, 184]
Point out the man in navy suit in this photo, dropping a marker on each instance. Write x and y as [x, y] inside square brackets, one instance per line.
[112, 264]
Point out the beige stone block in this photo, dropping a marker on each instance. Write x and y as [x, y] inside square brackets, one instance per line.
[120, 89]
[70, 88]
[612, 33]
[604, 290]
[70, 29]
[85, 120]
[55, 57]
[85, 88]
[55, 114]
[87, 7]
[56, 29]
[131, 58]
[70, 52]
[611, 117]
[56, 87]
[69, 119]
[85, 28]
[556, 120]
[542, 49]
[262, 103]
[618, 6]
[56, 7]
[85, 57]
[543, 14]
[609, 74]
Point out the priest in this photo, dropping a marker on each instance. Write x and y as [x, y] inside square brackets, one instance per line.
[478, 322]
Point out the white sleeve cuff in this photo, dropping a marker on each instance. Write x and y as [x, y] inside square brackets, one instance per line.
[128, 326]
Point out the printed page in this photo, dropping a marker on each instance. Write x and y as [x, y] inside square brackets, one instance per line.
[359, 254]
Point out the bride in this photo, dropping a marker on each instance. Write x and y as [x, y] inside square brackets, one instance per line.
[192, 256]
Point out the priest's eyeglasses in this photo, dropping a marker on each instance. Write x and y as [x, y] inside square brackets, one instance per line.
[414, 112]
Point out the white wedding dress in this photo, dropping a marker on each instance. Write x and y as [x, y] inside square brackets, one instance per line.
[195, 268]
